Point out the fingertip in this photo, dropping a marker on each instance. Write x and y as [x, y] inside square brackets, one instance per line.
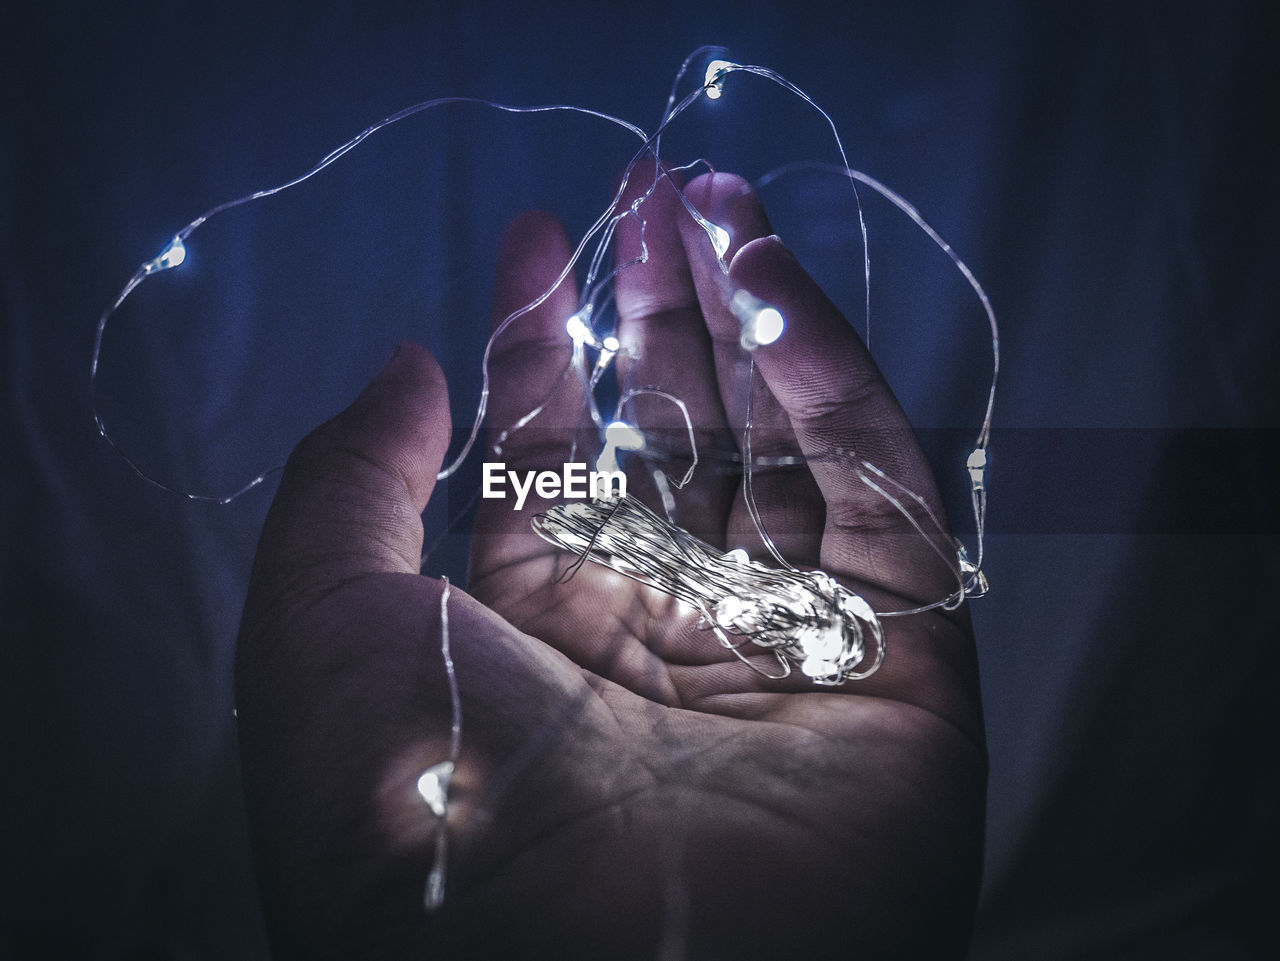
[534, 296]
[730, 202]
[817, 349]
[761, 246]
[400, 423]
[525, 227]
[714, 192]
[768, 269]
[352, 494]
[762, 261]
[533, 252]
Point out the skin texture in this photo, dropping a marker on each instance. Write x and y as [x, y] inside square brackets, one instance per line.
[626, 788]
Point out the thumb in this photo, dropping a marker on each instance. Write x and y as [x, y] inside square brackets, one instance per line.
[352, 494]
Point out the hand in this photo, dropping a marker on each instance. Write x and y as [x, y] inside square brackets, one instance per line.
[627, 787]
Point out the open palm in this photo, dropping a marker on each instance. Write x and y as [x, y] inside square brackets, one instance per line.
[627, 787]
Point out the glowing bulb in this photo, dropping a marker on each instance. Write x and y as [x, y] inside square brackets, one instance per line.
[762, 323]
[730, 609]
[623, 436]
[856, 606]
[713, 83]
[174, 253]
[433, 785]
[611, 344]
[578, 328]
[768, 326]
[814, 666]
[977, 465]
[719, 237]
[822, 649]
[824, 643]
[618, 435]
[737, 555]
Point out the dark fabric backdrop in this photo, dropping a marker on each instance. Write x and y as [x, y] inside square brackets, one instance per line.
[1108, 169]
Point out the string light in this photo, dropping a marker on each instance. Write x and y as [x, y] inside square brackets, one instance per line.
[433, 784]
[618, 436]
[719, 238]
[713, 84]
[805, 618]
[174, 253]
[762, 323]
[579, 329]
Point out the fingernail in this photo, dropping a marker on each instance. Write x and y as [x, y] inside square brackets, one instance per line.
[773, 241]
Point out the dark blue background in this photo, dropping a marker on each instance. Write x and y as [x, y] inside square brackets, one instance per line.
[1108, 169]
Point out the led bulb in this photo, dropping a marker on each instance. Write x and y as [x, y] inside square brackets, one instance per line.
[719, 237]
[856, 606]
[977, 465]
[618, 435]
[623, 436]
[762, 323]
[433, 785]
[825, 643]
[174, 253]
[713, 83]
[817, 667]
[578, 328]
[768, 326]
[729, 610]
[822, 649]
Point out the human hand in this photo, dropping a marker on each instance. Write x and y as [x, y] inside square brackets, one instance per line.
[627, 787]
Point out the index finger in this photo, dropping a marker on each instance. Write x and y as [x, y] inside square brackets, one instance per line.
[665, 345]
[530, 357]
[535, 396]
